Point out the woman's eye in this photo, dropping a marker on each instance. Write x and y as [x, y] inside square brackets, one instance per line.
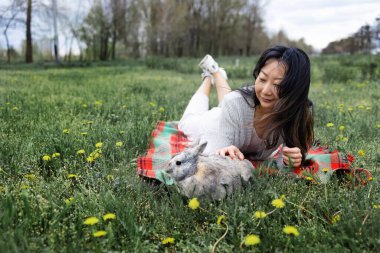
[178, 163]
[262, 80]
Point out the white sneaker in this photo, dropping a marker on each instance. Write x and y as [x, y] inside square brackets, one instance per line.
[208, 74]
[208, 63]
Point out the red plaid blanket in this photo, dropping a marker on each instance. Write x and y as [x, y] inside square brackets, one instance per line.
[321, 163]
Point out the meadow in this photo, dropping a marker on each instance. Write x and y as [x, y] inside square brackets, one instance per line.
[70, 136]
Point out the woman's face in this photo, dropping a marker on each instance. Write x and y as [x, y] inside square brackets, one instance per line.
[269, 77]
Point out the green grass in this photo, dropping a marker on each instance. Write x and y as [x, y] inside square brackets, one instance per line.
[123, 102]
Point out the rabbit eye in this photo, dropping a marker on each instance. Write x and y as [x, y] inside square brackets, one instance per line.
[178, 162]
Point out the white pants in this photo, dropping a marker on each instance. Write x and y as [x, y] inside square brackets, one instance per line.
[197, 120]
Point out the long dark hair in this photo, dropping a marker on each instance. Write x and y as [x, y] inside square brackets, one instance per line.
[292, 116]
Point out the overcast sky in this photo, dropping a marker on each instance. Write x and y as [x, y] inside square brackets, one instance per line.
[317, 21]
[320, 21]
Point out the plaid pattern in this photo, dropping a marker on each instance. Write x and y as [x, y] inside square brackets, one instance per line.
[321, 162]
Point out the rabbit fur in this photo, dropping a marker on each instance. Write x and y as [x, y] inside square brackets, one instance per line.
[210, 176]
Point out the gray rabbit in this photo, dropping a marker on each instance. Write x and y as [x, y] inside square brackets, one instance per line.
[210, 176]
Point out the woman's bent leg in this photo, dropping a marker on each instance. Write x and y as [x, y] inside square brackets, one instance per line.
[222, 86]
[199, 103]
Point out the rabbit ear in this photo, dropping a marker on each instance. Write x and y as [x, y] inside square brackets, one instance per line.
[200, 148]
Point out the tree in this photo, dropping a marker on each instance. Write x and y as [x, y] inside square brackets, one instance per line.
[29, 42]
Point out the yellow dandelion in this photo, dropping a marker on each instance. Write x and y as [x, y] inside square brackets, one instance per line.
[335, 219]
[90, 159]
[74, 176]
[84, 106]
[109, 216]
[370, 178]
[152, 104]
[251, 240]
[345, 139]
[168, 240]
[66, 131]
[15, 108]
[83, 133]
[309, 178]
[341, 128]
[89, 122]
[278, 203]
[46, 158]
[193, 203]
[221, 218]
[119, 144]
[109, 177]
[99, 233]
[81, 152]
[30, 176]
[376, 206]
[350, 109]
[56, 155]
[24, 186]
[361, 106]
[121, 132]
[99, 145]
[99, 102]
[330, 124]
[91, 221]
[162, 109]
[361, 152]
[291, 230]
[260, 215]
[325, 170]
[377, 126]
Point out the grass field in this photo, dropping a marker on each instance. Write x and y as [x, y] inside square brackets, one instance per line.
[69, 138]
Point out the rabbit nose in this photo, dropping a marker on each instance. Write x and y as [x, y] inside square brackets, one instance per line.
[178, 163]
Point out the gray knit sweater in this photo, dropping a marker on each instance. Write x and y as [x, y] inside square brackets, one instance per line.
[235, 127]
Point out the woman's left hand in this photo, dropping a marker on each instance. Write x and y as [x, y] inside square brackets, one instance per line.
[292, 156]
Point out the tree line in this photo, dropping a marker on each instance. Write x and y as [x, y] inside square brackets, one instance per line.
[112, 29]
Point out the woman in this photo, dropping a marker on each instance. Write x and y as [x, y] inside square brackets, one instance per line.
[255, 120]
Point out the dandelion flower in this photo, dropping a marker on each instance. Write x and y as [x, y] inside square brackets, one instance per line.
[341, 128]
[162, 109]
[330, 124]
[46, 158]
[309, 178]
[290, 230]
[335, 219]
[74, 176]
[361, 152]
[66, 131]
[99, 233]
[83, 133]
[99, 102]
[81, 152]
[376, 206]
[121, 132]
[90, 159]
[109, 216]
[119, 144]
[278, 203]
[325, 170]
[251, 240]
[91, 221]
[99, 145]
[168, 240]
[260, 215]
[56, 155]
[193, 203]
[30, 176]
[221, 218]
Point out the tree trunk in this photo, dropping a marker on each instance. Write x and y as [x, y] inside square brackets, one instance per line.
[29, 47]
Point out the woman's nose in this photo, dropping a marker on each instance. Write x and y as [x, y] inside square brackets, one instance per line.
[267, 89]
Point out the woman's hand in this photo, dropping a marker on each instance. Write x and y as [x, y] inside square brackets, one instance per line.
[231, 151]
[292, 156]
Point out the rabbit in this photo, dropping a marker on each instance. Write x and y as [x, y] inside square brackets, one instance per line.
[210, 176]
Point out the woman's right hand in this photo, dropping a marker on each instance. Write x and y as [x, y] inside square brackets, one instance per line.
[231, 151]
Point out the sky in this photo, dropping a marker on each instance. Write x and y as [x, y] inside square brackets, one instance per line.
[317, 21]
